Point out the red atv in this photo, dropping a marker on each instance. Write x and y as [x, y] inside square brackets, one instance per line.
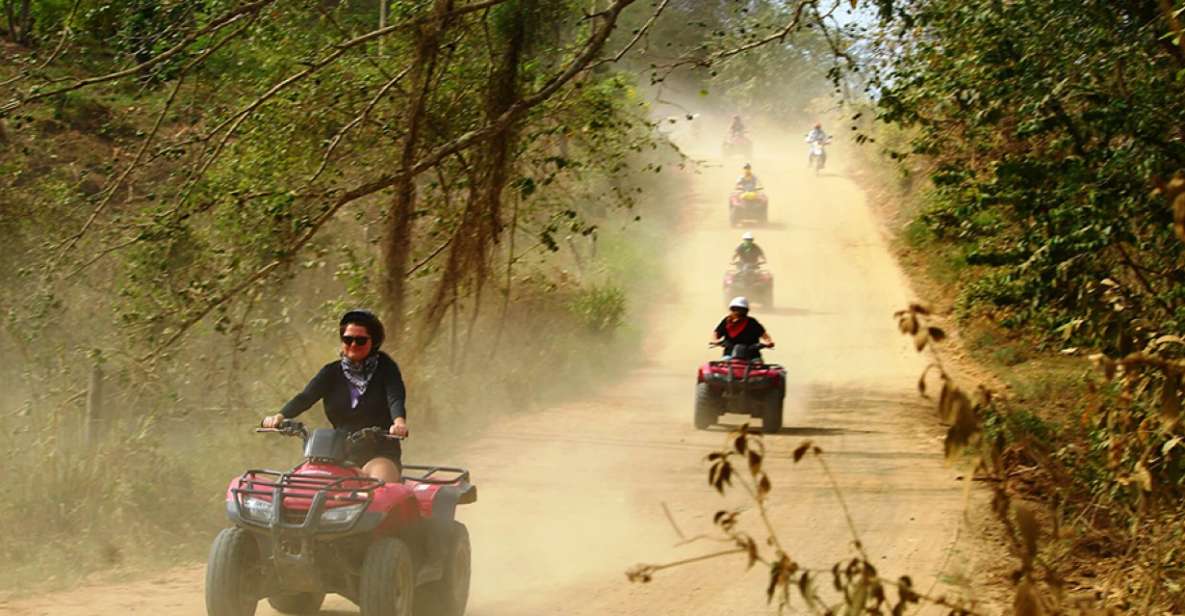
[750, 280]
[324, 527]
[737, 144]
[741, 383]
[749, 205]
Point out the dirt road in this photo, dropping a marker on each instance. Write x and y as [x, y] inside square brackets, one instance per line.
[572, 496]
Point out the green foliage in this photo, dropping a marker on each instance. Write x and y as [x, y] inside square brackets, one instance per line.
[601, 309]
[1045, 124]
[1018, 425]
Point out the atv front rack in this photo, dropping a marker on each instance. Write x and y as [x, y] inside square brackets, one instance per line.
[305, 481]
[316, 490]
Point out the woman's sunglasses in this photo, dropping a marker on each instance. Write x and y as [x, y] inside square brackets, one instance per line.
[356, 340]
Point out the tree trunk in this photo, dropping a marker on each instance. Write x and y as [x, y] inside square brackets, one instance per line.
[96, 418]
[398, 244]
[25, 36]
[10, 20]
[481, 222]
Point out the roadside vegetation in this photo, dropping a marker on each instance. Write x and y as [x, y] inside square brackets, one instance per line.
[1029, 156]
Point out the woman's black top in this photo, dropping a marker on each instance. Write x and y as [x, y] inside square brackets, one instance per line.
[379, 405]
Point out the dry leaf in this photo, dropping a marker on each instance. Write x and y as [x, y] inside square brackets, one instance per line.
[763, 486]
[754, 462]
[1142, 476]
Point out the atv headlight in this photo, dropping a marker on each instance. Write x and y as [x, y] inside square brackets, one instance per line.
[256, 509]
[342, 515]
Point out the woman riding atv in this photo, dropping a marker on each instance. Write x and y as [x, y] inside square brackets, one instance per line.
[362, 389]
[739, 328]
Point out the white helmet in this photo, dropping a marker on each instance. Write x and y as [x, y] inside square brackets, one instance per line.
[748, 236]
[739, 302]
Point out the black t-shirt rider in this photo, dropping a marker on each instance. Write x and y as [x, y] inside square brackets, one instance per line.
[745, 330]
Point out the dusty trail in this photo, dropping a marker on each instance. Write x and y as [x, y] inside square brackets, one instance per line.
[572, 496]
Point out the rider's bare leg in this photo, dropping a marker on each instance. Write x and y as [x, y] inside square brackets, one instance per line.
[384, 469]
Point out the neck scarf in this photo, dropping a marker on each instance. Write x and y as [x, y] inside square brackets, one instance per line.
[734, 328]
[359, 375]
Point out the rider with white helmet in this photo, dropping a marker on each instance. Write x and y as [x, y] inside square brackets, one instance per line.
[739, 328]
[748, 252]
[815, 140]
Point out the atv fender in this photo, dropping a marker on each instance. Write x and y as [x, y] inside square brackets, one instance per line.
[444, 503]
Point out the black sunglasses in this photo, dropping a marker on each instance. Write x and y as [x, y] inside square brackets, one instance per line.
[356, 340]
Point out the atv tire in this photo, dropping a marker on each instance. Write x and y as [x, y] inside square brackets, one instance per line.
[768, 296]
[298, 603]
[388, 583]
[707, 406]
[232, 574]
[733, 218]
[449, 595]
[771, 419]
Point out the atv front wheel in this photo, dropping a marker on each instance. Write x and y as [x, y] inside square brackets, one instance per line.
[233, 574]
[771, 419]
[298, 603]
[448, 596]
[733, 217]
[388, 580]
[707, 406]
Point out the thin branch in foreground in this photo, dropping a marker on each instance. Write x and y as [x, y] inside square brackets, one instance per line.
[65, 33]
[341, 133]
[723, 54]
[226, 19]
[110, 191]
[645, 572]
[637, 35]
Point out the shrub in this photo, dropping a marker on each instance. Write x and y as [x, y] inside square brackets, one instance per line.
[600, 308]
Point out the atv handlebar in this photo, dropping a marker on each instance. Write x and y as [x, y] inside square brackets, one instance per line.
[373, 432]
[758, 346]
[290, 427]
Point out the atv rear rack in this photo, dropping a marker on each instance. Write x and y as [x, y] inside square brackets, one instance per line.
[456, 475]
